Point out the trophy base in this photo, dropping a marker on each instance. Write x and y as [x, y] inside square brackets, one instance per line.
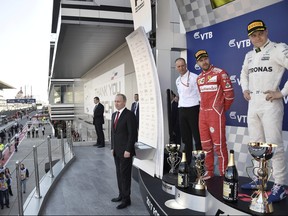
[199, 187]
[199, 184]
[169, 181]
[260, 203]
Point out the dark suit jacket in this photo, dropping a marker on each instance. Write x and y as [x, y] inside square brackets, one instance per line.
[133, 107]
[175, 126]
[174, 115]
[123, 138]
[98, 117]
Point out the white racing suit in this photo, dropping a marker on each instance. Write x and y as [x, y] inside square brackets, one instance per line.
[262, 71]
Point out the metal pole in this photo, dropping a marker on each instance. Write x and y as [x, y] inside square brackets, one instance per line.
[68, 132]
[19, 189]
[9, 147]
[71, 145]
[109, 130]
[70, 139]
[37, 194]
[50, 156]
[62, 147]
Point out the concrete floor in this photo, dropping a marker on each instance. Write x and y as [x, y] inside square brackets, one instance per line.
[88, 185]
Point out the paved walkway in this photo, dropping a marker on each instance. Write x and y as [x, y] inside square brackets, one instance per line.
[88, 185]
[85, 188]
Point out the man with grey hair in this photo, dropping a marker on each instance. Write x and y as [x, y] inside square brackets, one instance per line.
[123, 138]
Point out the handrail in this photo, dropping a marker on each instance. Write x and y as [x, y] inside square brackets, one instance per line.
[35, 196]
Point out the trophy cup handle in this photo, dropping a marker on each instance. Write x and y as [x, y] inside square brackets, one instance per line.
[178, 160]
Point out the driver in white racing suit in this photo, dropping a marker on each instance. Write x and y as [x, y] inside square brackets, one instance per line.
[261, 74]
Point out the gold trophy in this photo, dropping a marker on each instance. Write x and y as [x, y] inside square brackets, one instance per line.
[173, 159]
[199, 156]
[261, 153]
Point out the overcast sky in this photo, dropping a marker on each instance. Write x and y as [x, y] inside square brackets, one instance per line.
[25, 29]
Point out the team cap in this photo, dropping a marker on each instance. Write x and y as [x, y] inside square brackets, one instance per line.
[256, 25]
[201, 53]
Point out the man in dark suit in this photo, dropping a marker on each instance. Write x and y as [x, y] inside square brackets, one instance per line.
[135, 108]
[123, 138]
[98, 121]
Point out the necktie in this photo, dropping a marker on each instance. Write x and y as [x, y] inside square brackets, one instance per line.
[116, 120]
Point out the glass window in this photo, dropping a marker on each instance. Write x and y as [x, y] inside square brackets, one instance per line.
[62, 93]
[57, 94]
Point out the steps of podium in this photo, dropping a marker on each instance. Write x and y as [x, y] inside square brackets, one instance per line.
[161, 196]
[155, 198]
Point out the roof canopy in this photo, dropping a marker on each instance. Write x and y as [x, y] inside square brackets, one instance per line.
[4, 85]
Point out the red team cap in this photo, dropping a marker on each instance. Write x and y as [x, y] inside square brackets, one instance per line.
[256, 25]
[201, 53]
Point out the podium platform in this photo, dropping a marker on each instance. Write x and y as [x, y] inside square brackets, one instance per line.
[241, 207]
[158, 198]
[155, 197]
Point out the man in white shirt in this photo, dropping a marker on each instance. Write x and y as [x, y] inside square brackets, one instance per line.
[188, 107]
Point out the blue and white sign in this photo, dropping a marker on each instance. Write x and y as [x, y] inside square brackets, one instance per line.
[22, 100]
[227, 43]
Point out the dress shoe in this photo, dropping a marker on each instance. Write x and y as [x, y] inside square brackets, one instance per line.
[117, 199]
[124, 205]
[100, 146]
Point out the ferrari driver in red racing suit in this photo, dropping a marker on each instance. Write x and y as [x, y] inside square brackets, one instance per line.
[217, 95]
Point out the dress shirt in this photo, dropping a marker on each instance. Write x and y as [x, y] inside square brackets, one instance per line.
[187, 89]
[136, 107]
[120, 111]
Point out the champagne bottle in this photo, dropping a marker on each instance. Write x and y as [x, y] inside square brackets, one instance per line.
[183, 172]
[230, 183]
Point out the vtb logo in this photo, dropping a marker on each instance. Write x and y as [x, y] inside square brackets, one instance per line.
[239, 44]
[240, 118]
[197, 67]
[286, 99]
[234, 79]
[203, 36]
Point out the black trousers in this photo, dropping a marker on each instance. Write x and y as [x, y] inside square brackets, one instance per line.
[124, 172]
[189, 118]
[100, 134]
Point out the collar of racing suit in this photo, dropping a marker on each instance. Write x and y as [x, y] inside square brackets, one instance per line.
[209, 69]
[258, 49]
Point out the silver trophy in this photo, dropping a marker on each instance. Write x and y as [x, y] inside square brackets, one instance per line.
[173, 159]
[199, 157]
[261, 153]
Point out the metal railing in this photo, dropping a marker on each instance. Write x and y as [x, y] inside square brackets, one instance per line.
[64, 149]
[87, 131]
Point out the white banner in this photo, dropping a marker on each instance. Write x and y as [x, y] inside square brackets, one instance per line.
[141, 11]
[151, 129]
[105, 87]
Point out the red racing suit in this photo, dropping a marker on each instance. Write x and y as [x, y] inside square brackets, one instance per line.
[216, 95]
